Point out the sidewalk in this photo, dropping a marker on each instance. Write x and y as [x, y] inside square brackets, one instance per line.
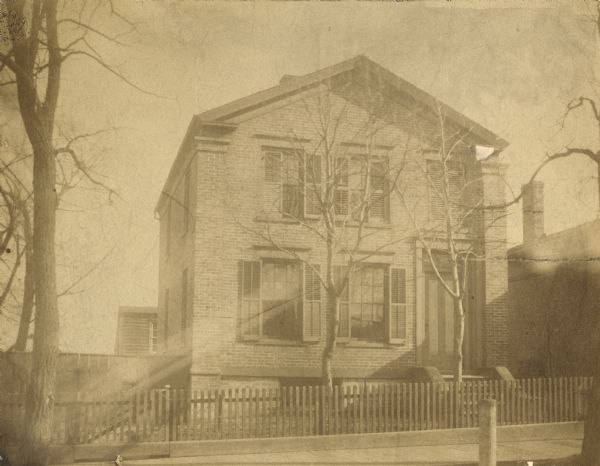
[413, 455]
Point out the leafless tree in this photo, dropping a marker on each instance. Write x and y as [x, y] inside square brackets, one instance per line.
[335, 188]
[41, 37]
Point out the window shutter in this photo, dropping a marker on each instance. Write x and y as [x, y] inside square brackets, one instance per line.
[456, 185]
[273, 167]
[311, 313]
[250, 302]
[378, 205]
[397, 318]
[312, 186]
[342, 195]
[340, 273]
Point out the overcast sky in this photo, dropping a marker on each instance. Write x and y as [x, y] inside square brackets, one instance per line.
[509, 67]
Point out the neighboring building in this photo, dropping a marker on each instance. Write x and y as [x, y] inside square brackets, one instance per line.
[554, 287]
[246, 311]
[137, 330]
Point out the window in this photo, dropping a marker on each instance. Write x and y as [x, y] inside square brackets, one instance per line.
[373, 304]
[186, 202]
[168, 228]
[280, 300]
[166, 318]
[152, 336]
[284, 167]
[351, 187]
[456, 184]
[184, 299]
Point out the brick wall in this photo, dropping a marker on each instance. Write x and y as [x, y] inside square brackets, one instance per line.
[495, 313]
[233, 205]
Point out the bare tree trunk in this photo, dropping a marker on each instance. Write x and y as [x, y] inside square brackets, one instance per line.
[39, 401]
[29, 285]
[331, 318]
[332, 325]
[27, 308]
[459, 339]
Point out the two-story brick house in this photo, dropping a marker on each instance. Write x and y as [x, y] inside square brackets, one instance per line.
[245, 305]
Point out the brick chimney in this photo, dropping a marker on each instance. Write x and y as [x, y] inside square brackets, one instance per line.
[533, 211]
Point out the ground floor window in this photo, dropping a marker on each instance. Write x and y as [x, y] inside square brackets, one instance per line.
[280, 300]
[373, 303]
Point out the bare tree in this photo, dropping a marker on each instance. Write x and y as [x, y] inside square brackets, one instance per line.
[336, 188]
[452, 228]
[40, 40]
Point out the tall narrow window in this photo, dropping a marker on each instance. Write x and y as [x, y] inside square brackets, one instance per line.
[184, 299]
[250, 315]
[186, 202]
[455, 176]
[312, 186]
[378, 200]
[166, 298]
[168, 228]
[397, 305]
[284, 167]
[281, 300]
[152, 336]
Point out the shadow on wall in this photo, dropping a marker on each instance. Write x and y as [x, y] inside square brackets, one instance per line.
[554, 319]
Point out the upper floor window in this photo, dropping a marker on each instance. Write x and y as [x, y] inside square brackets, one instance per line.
[362, 188]
[284, 168]
[442, 203]
[280, 300]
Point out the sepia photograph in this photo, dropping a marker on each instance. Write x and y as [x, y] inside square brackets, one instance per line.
[299, 233]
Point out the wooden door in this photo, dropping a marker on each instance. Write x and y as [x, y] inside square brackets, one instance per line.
[440, 324]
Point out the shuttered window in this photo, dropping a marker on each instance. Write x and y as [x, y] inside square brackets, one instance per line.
[312, 186]
[378, 202]
[397, 320]
[456, 184]
[351, 176]
[312, 304]
[280, 300]
[373, 297]
[284, 167]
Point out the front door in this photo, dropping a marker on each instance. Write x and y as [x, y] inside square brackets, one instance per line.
[440, 324]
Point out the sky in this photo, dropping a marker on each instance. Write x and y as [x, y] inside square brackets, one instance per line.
[511, 66]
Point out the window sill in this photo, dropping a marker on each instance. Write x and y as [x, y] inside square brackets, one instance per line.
[291, 221]
[275, 342]
[366, 344]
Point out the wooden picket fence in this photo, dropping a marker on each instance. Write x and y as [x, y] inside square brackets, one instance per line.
[170, 414]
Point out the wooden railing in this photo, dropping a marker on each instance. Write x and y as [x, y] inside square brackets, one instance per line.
[169, 414]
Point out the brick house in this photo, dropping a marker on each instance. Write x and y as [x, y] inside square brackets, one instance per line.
[245, 310]
[554, 295]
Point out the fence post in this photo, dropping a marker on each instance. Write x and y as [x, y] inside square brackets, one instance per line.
[487, 433]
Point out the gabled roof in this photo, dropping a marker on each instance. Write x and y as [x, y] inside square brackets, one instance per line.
[290, 85]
